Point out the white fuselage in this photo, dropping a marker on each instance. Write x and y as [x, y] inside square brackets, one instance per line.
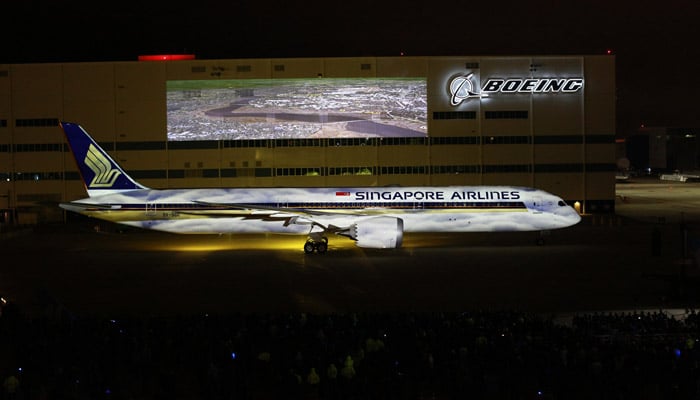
[299, 210]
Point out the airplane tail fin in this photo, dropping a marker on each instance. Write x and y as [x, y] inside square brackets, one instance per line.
[101, 174]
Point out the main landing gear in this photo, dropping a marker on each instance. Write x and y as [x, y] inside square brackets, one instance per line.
[540, 237]
[320, 246]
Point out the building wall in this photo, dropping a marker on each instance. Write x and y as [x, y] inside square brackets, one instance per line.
[564, 144]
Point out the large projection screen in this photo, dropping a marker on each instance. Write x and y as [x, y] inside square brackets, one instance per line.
[247, 109]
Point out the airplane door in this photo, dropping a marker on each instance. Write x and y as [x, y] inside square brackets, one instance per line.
[150, 209]
[537, 204]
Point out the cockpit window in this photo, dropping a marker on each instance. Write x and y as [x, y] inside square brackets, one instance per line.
[561, 203]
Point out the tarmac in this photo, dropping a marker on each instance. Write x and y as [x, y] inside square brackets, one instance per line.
[642, 257]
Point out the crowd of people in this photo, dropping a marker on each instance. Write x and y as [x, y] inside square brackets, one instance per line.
[495, 354]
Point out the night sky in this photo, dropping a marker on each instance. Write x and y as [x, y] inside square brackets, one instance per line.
[655, 43]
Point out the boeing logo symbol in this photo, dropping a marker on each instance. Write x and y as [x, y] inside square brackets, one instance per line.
[462, 88]
[100, 165]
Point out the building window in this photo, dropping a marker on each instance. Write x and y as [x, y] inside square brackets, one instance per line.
[210, 173]
[244, 172]
[245, 143]
[193, 145]
[228, 173]
[559, 139]
[507, 168]
[149, 174]
[263, 172]
[404, 170]
[506, 114]
[600, 167]
[193, 173]
[437, 140]
[402, 141]
[38, 176]
[455, 169]
[37, 147]
[350, 171]
[352, 142]
[505, 139]
[313, 171]
[454, 115]
[298, 142]
[36, 122]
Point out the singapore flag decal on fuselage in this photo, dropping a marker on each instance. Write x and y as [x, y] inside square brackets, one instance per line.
[374, 217]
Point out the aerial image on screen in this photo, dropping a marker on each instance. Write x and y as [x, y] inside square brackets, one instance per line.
[296, 108]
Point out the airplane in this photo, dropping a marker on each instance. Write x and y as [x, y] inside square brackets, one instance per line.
[374, 217]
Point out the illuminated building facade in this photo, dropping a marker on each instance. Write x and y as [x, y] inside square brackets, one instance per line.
[541, 121]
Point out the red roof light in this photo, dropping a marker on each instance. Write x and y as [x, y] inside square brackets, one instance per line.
[166, 57]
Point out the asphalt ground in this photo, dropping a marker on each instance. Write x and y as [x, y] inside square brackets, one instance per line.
[642, 257]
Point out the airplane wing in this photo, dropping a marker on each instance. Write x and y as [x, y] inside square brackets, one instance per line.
[286, 215]
[304, 216]
[285, 210]
[78, 206]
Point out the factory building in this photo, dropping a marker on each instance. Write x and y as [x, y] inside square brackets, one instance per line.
[540, 121]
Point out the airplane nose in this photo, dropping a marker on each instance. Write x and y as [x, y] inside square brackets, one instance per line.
[568, 215]
[575, 216]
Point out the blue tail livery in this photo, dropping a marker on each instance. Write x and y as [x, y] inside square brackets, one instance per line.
[100, 173]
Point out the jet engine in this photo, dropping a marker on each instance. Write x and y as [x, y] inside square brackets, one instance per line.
[378, 233]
